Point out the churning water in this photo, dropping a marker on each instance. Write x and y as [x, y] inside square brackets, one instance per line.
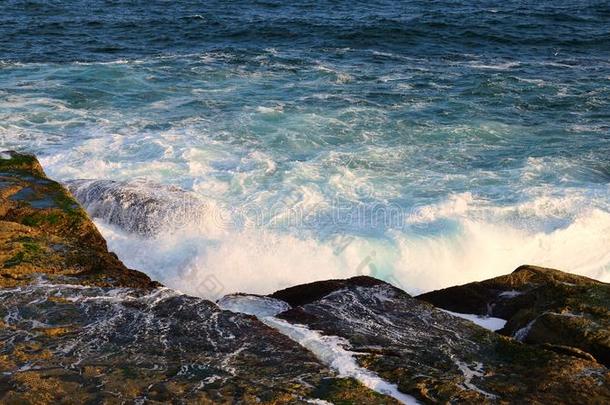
[424, 143]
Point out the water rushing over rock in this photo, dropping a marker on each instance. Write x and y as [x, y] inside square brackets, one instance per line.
[435, 356]
[102, 344]
[328, 349]
[77, 325]
[140, 207]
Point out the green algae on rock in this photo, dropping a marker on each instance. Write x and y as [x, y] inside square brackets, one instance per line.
[45, 231]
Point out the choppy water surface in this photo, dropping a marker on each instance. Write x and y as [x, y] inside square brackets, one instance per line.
[426, 144]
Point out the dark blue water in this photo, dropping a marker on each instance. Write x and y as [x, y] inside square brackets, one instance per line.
[484, 125]
[67, 31]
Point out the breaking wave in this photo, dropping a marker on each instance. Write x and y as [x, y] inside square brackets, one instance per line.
[249, 147]
[198, 251]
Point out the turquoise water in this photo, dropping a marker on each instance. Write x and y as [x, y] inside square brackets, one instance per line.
[423, 144]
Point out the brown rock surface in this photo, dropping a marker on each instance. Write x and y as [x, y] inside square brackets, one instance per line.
[43, 230]
[542, 306]
[440, 358]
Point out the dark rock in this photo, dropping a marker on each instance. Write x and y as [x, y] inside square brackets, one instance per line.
[437, 357]
[306, 293]
[101, 345]
[570, 351]
[541, 306]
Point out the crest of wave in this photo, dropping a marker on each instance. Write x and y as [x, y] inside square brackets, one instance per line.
[146, 208]
[184, 241]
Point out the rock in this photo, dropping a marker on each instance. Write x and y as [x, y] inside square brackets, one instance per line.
[570, 351]
[78, 326]
[541, 306]
[437, 357]
[141, 207]
[307, 293]
[102, 345]
[43, 230]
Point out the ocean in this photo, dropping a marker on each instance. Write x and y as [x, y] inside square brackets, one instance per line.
[423, 143]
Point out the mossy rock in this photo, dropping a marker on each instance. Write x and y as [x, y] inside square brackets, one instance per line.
[542, 306]
[19, 162]
[347, 391]
[38, 214]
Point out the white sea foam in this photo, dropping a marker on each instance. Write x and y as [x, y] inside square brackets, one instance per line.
[278, 109]
[329, 349]
[495, 66]
[544, 210]
[260, 306]
[481, 250]
[261, 261]
[460, 239]
[254, 253]
[487, 322]
[510, 294]
[471, 372]
[521, 334]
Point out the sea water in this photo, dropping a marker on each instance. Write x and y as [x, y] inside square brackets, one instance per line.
[426, 144]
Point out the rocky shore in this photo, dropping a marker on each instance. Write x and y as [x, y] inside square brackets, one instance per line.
[77, 326]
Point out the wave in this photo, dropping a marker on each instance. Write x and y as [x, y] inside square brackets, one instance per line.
[142, 207]
[166, 233]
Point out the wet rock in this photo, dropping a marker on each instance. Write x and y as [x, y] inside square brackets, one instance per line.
[437, 357]
[307, 293]
[115, 345]
[38, 215]
[78, 326]
[141, 207]
[541, 306]
[569, 350]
